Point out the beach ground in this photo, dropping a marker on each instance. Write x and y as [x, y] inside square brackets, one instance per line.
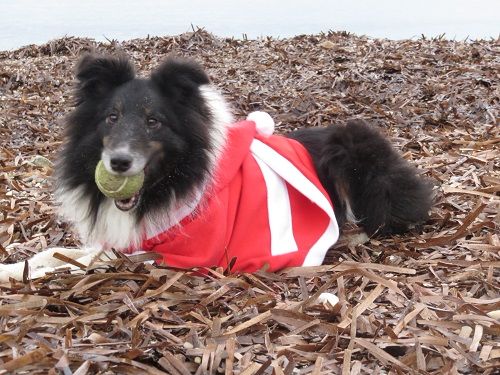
[424, 302]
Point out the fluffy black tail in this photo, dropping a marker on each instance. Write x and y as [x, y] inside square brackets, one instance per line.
[364, 174]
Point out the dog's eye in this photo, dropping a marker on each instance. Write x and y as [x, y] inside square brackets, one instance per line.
[112, 118]
[153, 123]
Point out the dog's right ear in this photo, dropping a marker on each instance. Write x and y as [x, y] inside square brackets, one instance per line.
[179, 78]
[98, 75]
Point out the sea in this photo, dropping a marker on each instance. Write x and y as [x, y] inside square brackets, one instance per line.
[24, 22]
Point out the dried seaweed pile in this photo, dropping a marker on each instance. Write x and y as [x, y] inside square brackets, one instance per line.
[425, 302]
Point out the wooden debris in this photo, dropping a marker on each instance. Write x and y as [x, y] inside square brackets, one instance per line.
[425, 302]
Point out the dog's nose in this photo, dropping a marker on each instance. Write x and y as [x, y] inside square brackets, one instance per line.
[120, 163]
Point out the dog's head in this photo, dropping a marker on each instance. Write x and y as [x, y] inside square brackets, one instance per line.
[164, 124]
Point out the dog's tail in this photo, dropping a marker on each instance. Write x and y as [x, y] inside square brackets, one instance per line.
[366, 178]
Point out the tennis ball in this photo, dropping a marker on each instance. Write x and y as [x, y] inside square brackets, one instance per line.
[117, 187]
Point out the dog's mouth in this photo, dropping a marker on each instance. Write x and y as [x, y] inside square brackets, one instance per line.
[130, 203]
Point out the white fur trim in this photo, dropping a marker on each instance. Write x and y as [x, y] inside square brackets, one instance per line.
[263, 122]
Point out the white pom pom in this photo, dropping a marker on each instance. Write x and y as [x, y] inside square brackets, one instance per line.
[263, 122]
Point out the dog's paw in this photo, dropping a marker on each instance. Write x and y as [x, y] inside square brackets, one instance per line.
[45, 261]
[14, 271]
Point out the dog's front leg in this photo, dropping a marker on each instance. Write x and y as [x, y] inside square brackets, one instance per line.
[45, 261]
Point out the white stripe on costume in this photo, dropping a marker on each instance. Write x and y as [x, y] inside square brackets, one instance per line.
[286, 170]
[317, 253]
[279, 211]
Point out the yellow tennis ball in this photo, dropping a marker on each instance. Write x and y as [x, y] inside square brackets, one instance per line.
[117, 187]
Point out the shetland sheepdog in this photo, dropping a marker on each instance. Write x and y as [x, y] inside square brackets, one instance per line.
[218, 192]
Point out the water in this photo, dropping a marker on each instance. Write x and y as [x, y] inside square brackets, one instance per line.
[25, 22]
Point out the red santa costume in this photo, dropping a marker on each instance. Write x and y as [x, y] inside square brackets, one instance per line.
[266, 207]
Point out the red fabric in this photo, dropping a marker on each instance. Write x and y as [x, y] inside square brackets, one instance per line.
[232, 220]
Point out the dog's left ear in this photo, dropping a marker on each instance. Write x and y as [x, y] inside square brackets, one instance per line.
[97, 75]
[179, 78]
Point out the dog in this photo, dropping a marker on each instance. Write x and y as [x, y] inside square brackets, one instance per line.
[216, 192]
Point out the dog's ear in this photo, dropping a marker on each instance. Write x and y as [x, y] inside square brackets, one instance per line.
[98, 75]
[179, 78]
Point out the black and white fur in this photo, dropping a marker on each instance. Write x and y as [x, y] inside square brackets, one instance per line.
[173, 125]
